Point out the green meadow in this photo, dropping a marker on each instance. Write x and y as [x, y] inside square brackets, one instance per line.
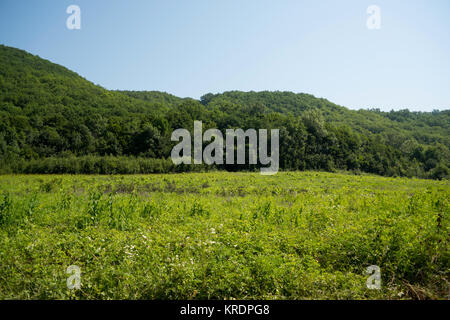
[220, 235]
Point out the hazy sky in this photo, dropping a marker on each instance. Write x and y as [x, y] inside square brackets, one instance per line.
[192, 47]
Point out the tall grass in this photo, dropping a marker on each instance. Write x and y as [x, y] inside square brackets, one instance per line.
[222, 236]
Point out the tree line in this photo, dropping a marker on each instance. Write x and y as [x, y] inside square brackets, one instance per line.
[54, 121]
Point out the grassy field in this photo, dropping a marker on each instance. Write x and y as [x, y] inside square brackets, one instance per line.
[223, 235]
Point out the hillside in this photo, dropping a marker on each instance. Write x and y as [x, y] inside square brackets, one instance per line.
[50, 112]
[425, 127]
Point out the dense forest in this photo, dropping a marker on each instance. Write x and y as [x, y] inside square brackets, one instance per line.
[54, 121]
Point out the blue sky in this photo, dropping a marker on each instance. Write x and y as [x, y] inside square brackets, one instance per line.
[192, 47]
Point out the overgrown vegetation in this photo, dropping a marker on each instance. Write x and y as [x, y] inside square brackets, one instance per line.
[49, 116]
[223, 235]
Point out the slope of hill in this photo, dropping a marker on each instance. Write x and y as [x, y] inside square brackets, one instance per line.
[162, 98]
[425, 127]
[48, 111]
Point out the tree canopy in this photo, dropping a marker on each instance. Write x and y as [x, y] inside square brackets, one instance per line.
[49, 112]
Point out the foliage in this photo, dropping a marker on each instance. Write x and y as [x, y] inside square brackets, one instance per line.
[48, 112]
[223, 236]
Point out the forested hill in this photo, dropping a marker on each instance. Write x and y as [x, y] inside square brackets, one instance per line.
[425, 127]
[52, 120]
